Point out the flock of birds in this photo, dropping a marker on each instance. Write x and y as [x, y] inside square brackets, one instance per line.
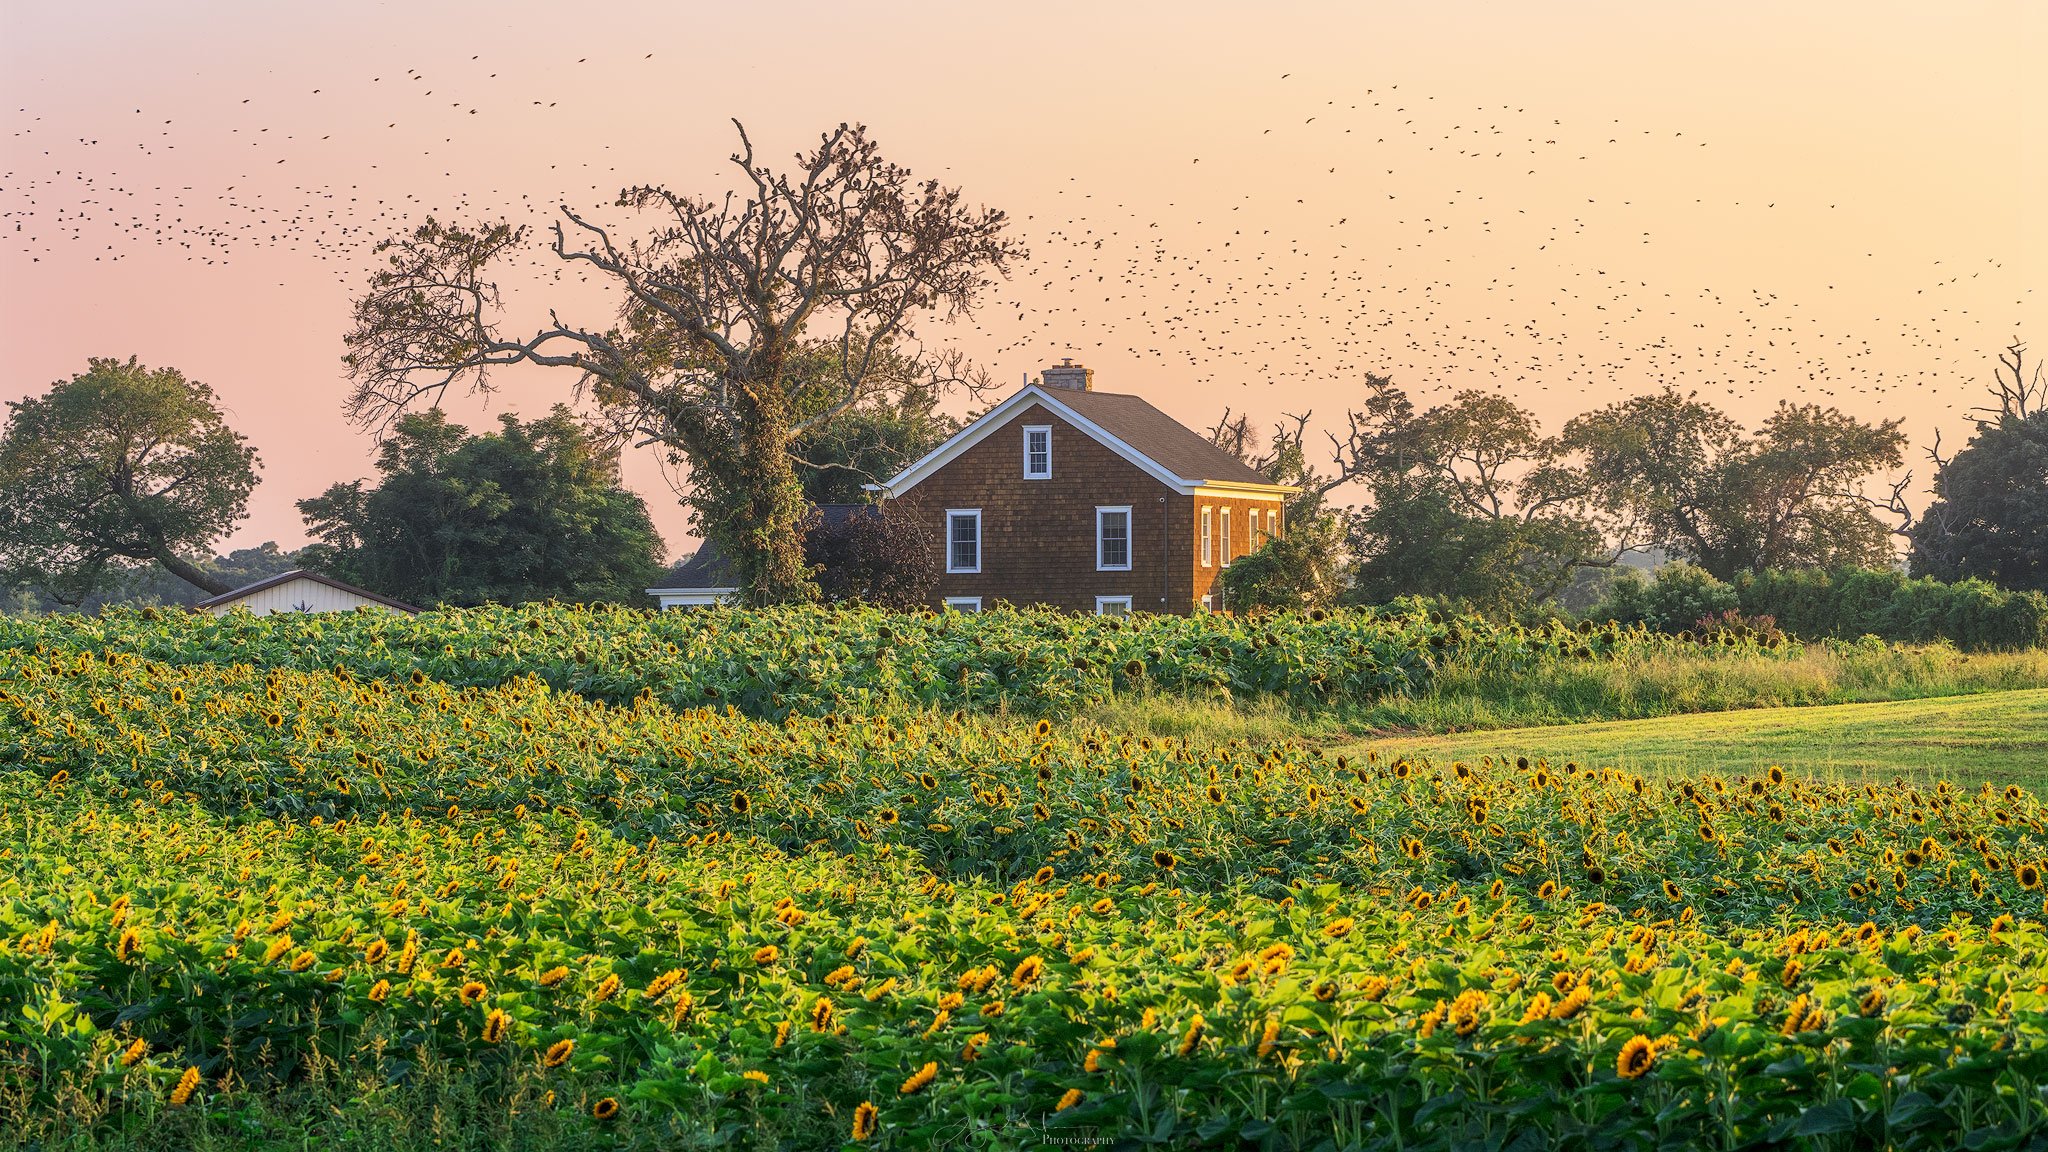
[1446, 244]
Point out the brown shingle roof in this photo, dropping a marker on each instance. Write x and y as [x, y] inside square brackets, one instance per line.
[1169, 443]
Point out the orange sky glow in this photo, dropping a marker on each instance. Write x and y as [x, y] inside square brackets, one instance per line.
[1226, 204]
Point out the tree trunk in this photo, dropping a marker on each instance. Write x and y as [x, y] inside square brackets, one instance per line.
[769, 526]
[188, 573]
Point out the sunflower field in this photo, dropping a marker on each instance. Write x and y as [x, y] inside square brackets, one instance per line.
[818, 660]
[323, 864]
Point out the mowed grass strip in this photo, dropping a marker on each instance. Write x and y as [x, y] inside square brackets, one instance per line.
[2000, 737]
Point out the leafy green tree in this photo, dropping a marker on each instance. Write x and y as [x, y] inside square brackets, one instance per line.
[1303, 569]
[1989, 518]
[533, 511]
[1413, 540]
[868, 444]
[1731, 501]
[120, 463]
[722, 311]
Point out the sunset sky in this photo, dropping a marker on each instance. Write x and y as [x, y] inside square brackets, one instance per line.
[1226, 204]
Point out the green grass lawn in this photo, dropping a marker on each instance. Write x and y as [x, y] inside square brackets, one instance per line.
[1996, 736]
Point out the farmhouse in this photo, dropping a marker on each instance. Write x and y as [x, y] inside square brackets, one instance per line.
[1065, 496]
[300, 591]
[1088, 501]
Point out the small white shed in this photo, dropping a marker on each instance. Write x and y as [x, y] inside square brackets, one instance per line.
[300, 591]
[698, 582]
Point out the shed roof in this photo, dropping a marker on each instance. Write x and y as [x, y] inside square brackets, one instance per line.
[235, 594]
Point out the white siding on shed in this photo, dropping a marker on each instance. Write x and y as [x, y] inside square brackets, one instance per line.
[300, 595]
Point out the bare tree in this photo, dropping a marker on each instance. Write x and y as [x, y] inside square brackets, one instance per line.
[742, 323]
[2016, 395]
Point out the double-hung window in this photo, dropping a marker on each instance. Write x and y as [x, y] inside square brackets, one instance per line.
[1272, 524]
[1113, 539]
[1038, 452]
[1208, 518]
[963, 603]
[1112, 605]
[963, 539]
[1224, 527]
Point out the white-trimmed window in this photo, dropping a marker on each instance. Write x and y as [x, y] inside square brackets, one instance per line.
[1208, 604]
[1038, 452]
[1113, 538]
[963, 540]
[963, 603]
[1224, 529]
[1112, 605]
[1208, 521]
[1272, 524]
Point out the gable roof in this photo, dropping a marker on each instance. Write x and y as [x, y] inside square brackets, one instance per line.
[1156, 443]
[709, 570]
[1183, 451]
[706, 568]
[235, 594]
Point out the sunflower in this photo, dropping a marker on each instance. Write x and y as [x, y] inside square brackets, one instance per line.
[766, 954]
[2029, 876]
[1192, 1039]
[376, 952]
[1069, 1099]
[554, 976]
[470, 993]
[134, 1052]
[919, 1080]
[864, 1115]
[496, 1023]
[604, 1109]
[1164, 859]
[1637, 1055]
[742, 803]
[1027, 972]
[187, 1084]
[558, 1053]
[1671, 891]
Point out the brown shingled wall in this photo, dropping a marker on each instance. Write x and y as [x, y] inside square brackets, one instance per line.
[1038, 536]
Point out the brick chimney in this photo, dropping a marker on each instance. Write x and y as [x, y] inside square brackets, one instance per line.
[1068, 375]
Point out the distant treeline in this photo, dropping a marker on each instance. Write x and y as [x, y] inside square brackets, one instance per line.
[1844, 603]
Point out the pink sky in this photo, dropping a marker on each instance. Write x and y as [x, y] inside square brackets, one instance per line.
[1227, 204]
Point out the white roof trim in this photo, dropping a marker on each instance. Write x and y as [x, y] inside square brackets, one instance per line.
[999, 415]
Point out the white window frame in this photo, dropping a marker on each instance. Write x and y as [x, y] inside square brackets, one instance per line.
[1223, 532]
[1102, 603]
[1272, 524]
[951, 569]
[1130, 541]
[1028, 430]
[963, 603]
[1208, 531]
[1208, 606]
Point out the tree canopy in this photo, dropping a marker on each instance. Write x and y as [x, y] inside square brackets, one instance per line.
[1989, 518]
[533, 511]
[1731, 501]
[119, 463]
[742, 324]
